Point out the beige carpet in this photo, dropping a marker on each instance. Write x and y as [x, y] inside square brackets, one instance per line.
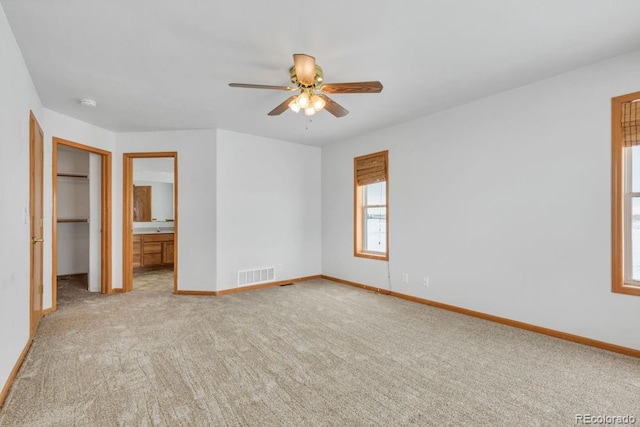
[154, 280]
[314, 353]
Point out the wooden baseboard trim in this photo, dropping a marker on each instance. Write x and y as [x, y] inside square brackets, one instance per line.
[265, 285]
[502, 320]
[357, 285]
[117, 291]
[48, 311]
[14, 372]
[201, 293]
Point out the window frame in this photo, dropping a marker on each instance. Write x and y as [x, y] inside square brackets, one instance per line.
[359, 211]
[621, 200]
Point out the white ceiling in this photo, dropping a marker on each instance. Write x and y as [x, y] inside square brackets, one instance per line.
[163, 65]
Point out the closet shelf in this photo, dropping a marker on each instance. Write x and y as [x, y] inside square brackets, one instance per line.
[73, 175]
[73, 220]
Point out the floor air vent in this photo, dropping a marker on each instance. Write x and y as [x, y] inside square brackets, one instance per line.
[256, 275]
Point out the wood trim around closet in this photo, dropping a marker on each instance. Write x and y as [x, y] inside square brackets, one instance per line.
[106, 214]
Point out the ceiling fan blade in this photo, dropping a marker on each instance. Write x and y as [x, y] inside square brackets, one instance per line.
[252, 86]
[333, 107]
[355, 87]
[282, 107]
[305, 66]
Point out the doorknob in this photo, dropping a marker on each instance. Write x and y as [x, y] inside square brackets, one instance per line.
[35, 240]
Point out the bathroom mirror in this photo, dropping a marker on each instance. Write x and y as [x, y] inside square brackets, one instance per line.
[153, 190]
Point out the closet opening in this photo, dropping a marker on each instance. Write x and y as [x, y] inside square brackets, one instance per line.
[81, 226]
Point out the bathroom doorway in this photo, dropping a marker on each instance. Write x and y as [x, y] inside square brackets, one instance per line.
[150, 221]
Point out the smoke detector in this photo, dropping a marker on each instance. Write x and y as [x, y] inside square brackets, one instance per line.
[86, 102]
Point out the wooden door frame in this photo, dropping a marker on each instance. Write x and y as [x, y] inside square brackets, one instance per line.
[33, 127]
[105, 202]
[127, 215]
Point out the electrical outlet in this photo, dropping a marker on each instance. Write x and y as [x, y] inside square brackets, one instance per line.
[405, 277]
[425, 280]
[280, 266]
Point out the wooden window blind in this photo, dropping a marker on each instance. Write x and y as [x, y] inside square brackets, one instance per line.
[631, 123]
[371, 168]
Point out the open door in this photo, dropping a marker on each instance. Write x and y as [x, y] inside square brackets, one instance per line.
[36, 183]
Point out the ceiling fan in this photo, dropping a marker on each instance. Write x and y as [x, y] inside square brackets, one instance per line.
[307, 77]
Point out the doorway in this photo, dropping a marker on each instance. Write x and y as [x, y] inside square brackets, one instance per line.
[81, 211]
[150, 221]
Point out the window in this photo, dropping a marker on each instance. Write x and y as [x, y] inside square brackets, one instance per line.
[371, 210]
[626, 194]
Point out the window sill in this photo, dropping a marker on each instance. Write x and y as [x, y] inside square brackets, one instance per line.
[627, 289]
[379, 257]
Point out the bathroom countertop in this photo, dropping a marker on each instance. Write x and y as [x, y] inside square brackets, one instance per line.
[151, 230]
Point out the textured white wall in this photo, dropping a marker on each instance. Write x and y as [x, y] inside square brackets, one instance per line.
[504, 203]
[73, 197]
[73, 161]
[17, 98]
[73, 248]
[196, 202]
[268, 207]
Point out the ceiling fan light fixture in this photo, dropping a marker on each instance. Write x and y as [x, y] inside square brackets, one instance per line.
[303, 100]
[309, 111]
[294, 106]
[317, 102]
